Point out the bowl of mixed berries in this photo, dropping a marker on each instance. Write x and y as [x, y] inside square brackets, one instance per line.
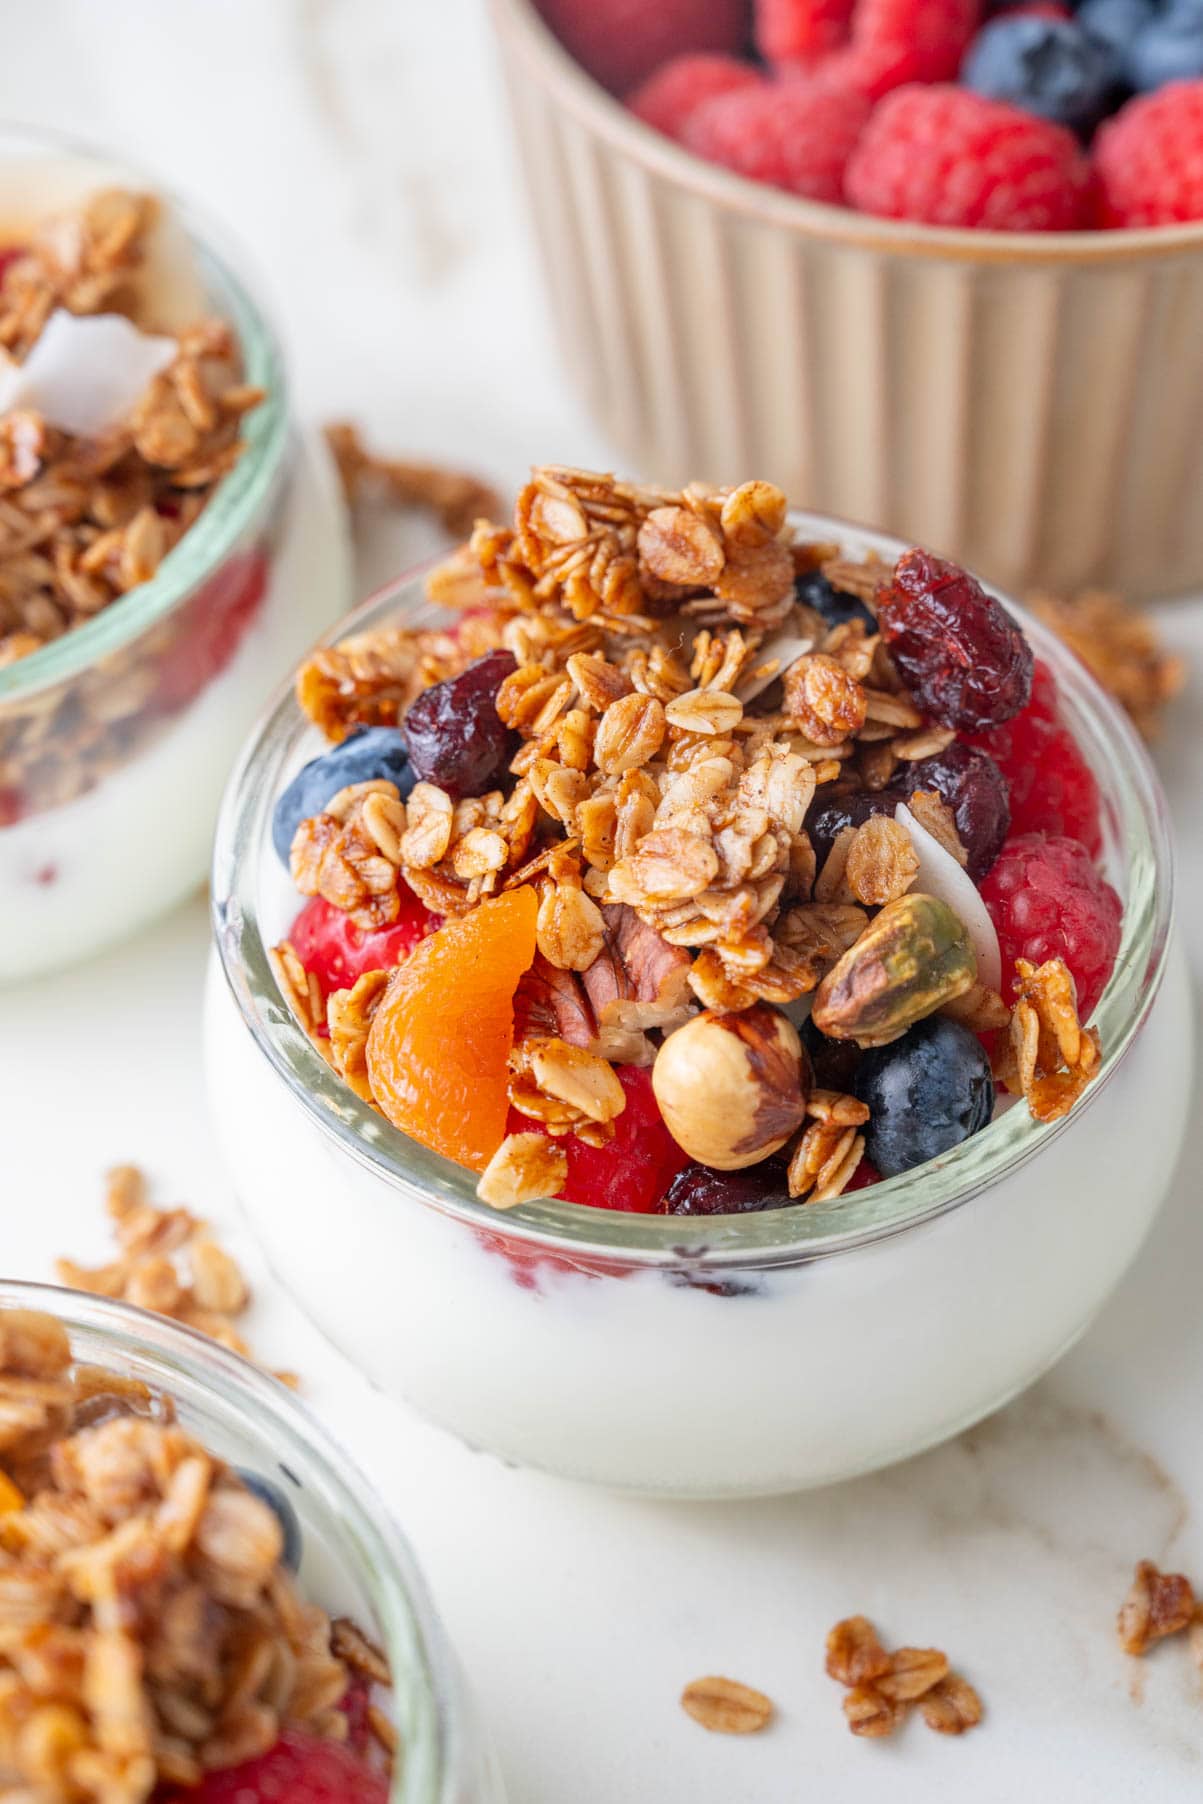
[930, 263]
[675, 949]
[202, 1599]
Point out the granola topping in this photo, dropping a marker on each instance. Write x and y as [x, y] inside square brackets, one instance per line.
[679, 719]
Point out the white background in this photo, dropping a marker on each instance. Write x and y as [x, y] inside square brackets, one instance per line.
[357, 148]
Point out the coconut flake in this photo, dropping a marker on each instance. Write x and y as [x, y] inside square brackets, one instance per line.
[85, 374]
[782, 651]
[940, 875]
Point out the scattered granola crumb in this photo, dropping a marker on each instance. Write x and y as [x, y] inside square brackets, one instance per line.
[168, 1262]
[726, 1707]
[882, 1686]
[1158, 1604]
[458, 499]
[1121, 645]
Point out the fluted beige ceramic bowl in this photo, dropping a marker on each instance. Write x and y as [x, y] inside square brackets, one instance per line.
[1029, 402]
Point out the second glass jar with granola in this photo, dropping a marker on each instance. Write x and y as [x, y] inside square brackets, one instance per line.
[681, 981]
[167, 545]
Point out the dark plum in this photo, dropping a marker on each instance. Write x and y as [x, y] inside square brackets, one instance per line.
[925, 1093]
[963, 658]
[366, 754]
[701, 1190]
[456, 737]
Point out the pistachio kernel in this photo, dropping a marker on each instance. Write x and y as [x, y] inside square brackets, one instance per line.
[912, 958]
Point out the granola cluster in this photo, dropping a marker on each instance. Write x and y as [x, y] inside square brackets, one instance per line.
[1159, 1605]
[149, 1631]
[676, 716]
[881, 1687]
[83, 521]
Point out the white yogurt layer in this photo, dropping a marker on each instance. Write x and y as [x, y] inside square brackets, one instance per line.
[819, 1372]
[82, 876]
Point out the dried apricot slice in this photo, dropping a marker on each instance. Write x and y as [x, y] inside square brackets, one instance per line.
[439, 1043]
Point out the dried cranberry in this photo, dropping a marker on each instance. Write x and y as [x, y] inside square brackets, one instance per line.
[974, 788]
[455, 735]
[701, 1190]
[963, 658]
[967, 779]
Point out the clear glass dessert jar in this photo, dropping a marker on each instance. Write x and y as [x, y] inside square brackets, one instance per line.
[354, 1562]
[115, 738]
[703, 1356]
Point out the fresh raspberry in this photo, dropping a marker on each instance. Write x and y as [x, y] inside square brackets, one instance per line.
[796, 135]
[786, 30]
[300, 1769]
[964, 659]
[1048, 899]
[948, 157]
[898, 41]
[620, 42]
[631, 1172]
[210, 629]
[668, 99]
[1149, 158]
[1052, 788]
[329, 944]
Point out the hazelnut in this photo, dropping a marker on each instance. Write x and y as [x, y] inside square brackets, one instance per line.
[732, 1088]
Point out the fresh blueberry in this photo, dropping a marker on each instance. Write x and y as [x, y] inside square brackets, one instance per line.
[1170, 48]
[282, 1509]
[1050, 67]
[925, 1093]
[813, 590]
[363, 755]
[1116, 24]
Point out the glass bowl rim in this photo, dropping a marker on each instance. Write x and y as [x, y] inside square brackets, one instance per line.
[580, 94]
[239, 495]
[782, 1236]
[291, 1431]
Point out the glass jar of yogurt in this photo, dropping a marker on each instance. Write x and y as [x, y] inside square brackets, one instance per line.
[717, 1356]
[352, 1562]
[115, 737]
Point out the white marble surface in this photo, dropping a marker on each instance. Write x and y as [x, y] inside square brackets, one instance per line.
[357, 146]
